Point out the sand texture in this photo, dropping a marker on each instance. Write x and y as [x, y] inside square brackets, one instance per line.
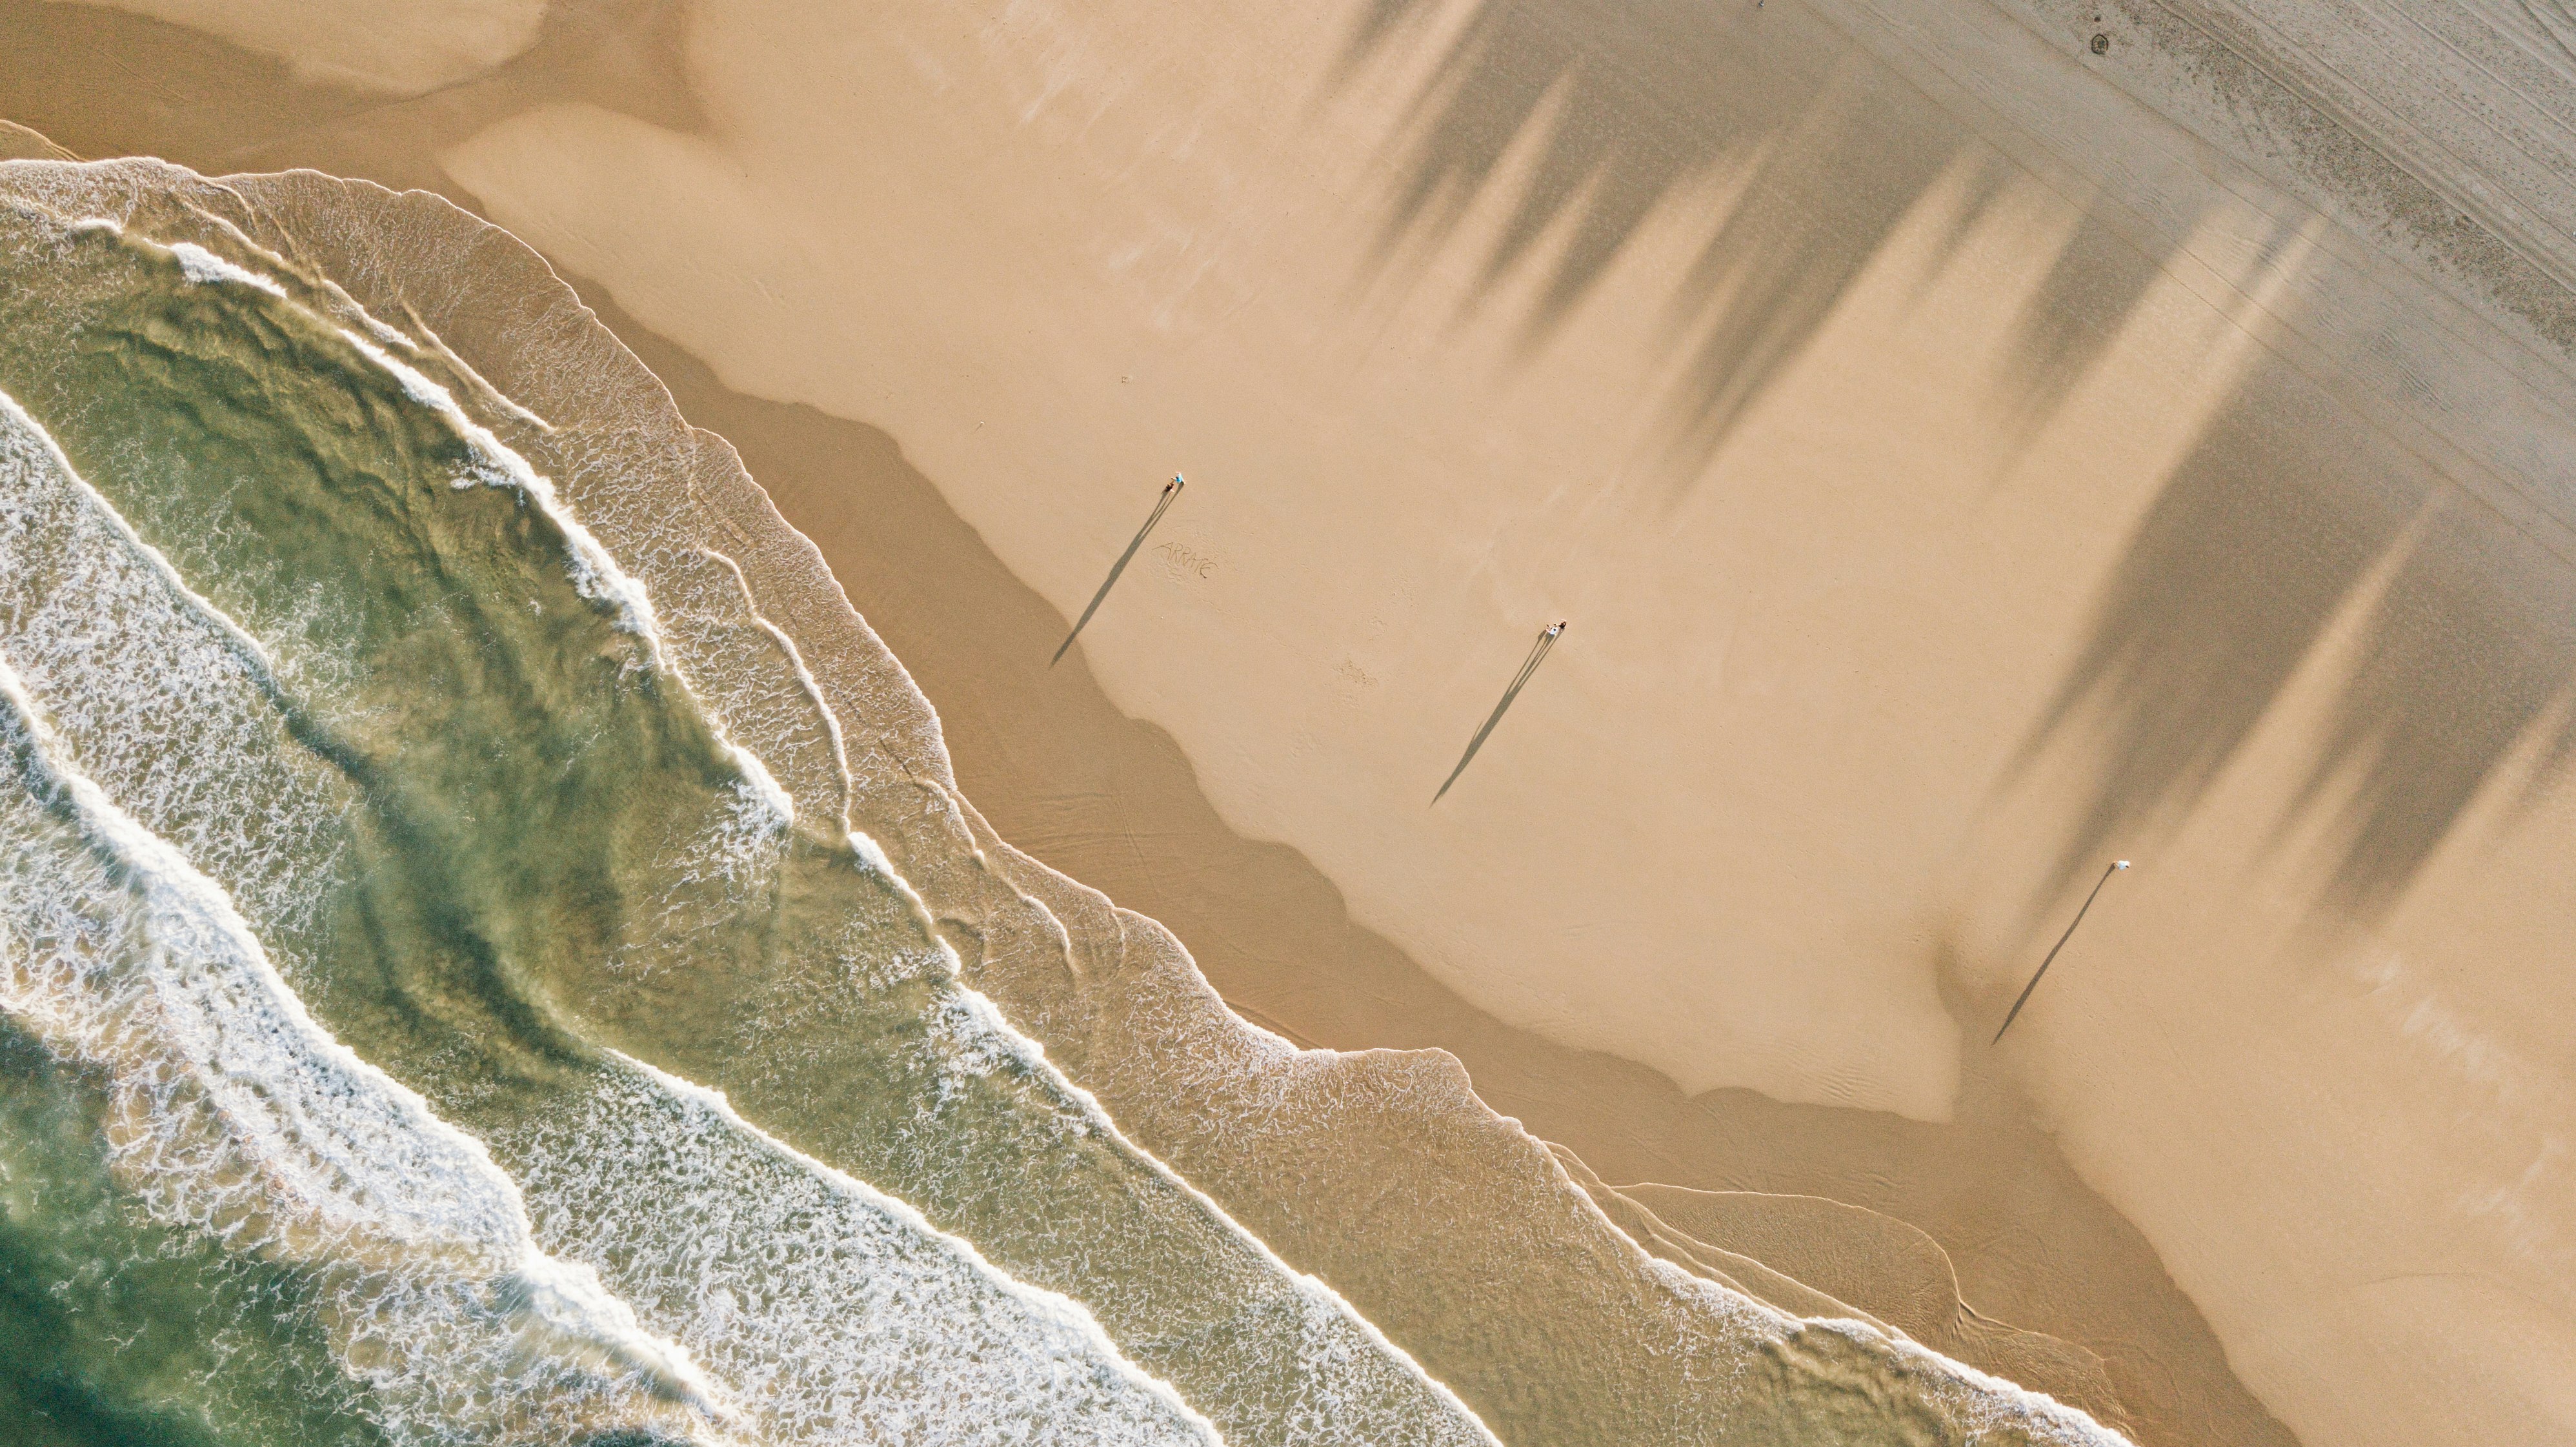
[1963, 459]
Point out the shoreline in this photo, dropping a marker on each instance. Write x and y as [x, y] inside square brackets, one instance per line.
[1412, 1012]
[1271, 1134]
[1034, 745]
[1064, 771]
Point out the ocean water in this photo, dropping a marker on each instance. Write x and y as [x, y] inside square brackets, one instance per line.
[448, 992]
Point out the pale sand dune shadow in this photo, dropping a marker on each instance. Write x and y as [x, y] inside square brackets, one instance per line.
[1637, 108]
[116, 84]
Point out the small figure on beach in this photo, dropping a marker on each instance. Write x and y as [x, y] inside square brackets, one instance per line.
[1538, 652]
[2116, 866]
[1162, 505]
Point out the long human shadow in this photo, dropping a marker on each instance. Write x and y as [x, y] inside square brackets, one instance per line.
[1162, 505]
[1538, 654]
[1637, 108]
[1059, 769]
[2037, 975]
[1586, 119]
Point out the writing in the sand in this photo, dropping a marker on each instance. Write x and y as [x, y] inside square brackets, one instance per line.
[1186, 559]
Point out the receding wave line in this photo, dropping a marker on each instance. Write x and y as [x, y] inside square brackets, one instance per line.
[805, 680]
[595, 573]
[238, 1116]
[854, 1290]
[957, 1310]
[988, 1019]
[479, 799]
[1327, 1311]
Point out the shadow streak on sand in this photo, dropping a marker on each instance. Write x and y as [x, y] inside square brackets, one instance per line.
[1638, 109]
[1162, 505]
[2291, 513]
[2290, 507]
[2471, 629]
[2028, 1238]
[2042, 972]
[1274, 937]
[1529, 669]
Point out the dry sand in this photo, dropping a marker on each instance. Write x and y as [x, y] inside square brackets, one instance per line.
[1955, 471]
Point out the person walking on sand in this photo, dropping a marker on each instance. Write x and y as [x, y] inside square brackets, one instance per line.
[1538, 653]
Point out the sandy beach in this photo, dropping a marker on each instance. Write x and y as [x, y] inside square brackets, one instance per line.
[1963, 456]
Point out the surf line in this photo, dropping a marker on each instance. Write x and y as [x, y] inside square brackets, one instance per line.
[2116, 866]
[1538, 654]
[1171, 490]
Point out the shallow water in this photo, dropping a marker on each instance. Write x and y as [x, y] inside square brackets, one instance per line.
[442, 996]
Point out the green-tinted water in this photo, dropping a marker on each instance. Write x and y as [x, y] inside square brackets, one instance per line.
[479, 1044]
[426, 738]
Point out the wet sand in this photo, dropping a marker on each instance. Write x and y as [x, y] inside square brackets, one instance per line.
[1113, 802]
[1926, 537]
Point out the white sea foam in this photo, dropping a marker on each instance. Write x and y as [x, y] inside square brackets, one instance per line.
[816, 1297]
[481, 385]
[805, 680]
[813, 1290]
[981, 1037]
[24, 440]
[1344, 1368]
[204, 268]
[69, 561]
[594, 572]
[236, 1114]
[261, 1127]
